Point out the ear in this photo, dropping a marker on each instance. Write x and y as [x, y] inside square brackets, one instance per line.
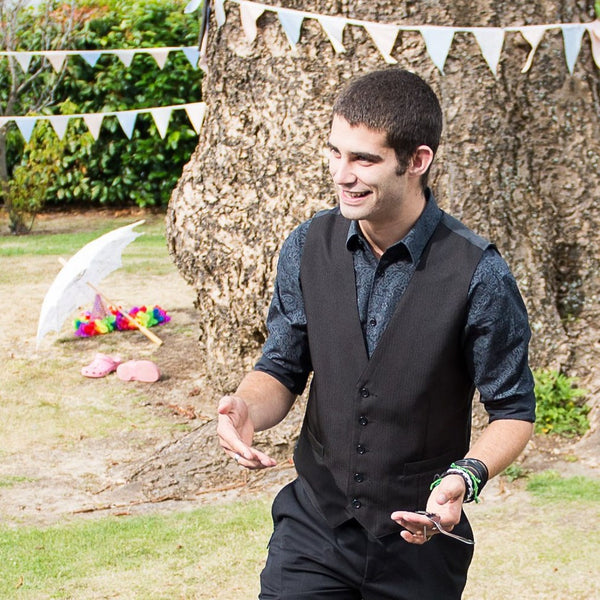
[420, 161]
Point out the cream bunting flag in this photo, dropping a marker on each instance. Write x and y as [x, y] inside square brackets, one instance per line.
[490, 40]
[195, 113]
[249, 13]
[438, 41]
[219, 13]
[334, 29]
[161, 118]
[56, 59]
[125, 56]
[24, 59]
[94, 123]
[384, 37]
[594, 31]
[533, 34]
[192, 6]
[160, 55]
[59, 124]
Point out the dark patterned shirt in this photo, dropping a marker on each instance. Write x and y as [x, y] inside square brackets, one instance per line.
[496, 332]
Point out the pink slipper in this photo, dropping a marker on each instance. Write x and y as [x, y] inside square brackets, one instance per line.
[138, 370]
[101, 366]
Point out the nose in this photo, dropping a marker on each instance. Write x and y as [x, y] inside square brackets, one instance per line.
[341, 171]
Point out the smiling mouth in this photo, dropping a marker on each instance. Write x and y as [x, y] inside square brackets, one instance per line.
[355, 195]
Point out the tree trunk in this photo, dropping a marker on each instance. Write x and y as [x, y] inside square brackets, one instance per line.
[518, 164]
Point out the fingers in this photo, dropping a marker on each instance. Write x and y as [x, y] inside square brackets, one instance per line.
[417, 528]
[235, 431]
[257, 460]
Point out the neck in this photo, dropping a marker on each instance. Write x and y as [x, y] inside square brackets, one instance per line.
[382, 235]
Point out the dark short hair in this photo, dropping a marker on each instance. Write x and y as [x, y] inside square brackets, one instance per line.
[398, 103]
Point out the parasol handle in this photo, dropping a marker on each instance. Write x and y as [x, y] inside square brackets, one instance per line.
[144, 330]
[130, 319]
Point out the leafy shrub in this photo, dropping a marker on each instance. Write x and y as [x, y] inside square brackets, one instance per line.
[26, 193]
[114, 170]
[560, 405]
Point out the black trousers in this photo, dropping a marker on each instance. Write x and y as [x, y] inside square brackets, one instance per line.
[309, 560]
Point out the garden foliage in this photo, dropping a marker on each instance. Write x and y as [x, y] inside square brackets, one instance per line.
[114, 170]
[560, 404]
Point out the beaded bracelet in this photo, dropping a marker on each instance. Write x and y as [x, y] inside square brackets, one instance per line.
[474, 473]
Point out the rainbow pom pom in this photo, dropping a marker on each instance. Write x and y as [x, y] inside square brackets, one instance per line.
[89, 324]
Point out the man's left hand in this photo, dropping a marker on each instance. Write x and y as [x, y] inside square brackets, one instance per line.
[445, 500]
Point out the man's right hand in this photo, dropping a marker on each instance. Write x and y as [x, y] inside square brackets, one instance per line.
[236, 432]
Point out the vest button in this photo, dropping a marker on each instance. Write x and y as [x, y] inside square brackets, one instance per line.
[361, 449]
[356, 503]
[364, 392]
[359, 477]
[363, 420]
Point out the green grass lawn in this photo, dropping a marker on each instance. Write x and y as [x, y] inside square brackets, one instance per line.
[183, 555]
[546, 549]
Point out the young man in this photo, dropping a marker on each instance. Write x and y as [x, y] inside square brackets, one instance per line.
[400, 312]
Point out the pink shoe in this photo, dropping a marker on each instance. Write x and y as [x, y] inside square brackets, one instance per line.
[138, 370]
[101, 366]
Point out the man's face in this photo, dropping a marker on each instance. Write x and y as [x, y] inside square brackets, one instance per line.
[365, 172]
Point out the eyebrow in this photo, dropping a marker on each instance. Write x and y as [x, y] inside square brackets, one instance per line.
[374, 158]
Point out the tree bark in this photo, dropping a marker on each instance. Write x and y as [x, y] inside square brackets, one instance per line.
[518, 164]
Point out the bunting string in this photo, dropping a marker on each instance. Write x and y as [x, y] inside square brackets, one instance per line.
[57, 57]
[161, 115]
[438, 39]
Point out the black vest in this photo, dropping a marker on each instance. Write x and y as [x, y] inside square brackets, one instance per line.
[377, 430]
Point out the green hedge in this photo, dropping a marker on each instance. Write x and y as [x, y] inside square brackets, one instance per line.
[114, 170]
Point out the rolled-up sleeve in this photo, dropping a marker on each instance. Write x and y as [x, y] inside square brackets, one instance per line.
[285, 354]
[496, 341]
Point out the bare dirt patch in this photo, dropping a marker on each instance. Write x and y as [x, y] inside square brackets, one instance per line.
[75, 447]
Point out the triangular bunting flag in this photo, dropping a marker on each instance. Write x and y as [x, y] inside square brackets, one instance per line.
[594, 31]
[193, 55]
[26, 125]
[438, 41]
[56, 59]
[192, 6]
[572, 34]
[125, 56]
[249, 13]
[384, 37]
[334, 28]
[533, 34]
[195, 113]
[490, 40]
[91, 57]
[219, 12]
[94, 122]
[160, 55]
[291, 21]
[24, 59]
[127, 121]
[59, 124]
[161, 118]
